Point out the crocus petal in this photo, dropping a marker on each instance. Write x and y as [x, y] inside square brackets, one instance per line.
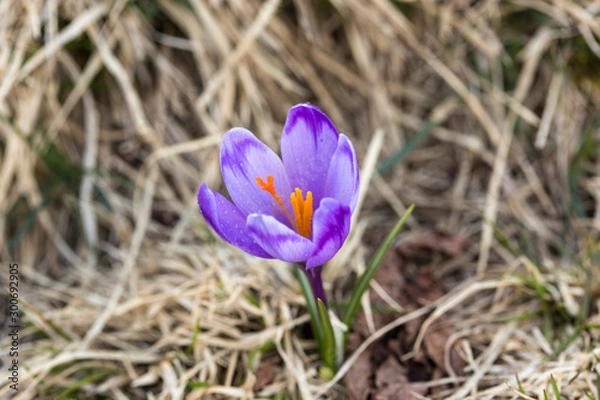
[307, 145]
[331, 225]
[227, 221]
[277, 239]
[342, 178]
[245, 158]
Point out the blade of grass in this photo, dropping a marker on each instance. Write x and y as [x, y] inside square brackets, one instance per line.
[519, 384]
[265, 347]
[27, 224]
[546, 310]
[555, 387]
[363, 281]
[191, 385]
[190, 348]
[374, 307]
[566, 343]
[576, 171]
[92, 377]
[574, 378]
[598, 383]
[411, 143]
[502, 239]
[586, 301]
[517, 317]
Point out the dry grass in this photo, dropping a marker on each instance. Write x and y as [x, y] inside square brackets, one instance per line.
[111, 114]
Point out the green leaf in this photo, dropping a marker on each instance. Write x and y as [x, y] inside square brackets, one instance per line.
[89, 376]
[554, 387]
[410, 145]
[194, 340]
[328, 348]
[29, 220]
[363, 281]
[519, 384]
[598, 383]
[566, 343]
[197, 385]
[502, 239]
[265, 347]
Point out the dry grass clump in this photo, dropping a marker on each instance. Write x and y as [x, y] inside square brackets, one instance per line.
[484, 115]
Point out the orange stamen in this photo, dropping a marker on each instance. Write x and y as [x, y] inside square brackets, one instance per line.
[303, 211]
[270, 187]
[302, 208]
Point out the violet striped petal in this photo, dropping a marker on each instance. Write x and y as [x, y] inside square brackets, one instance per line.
[307, 145]
[245, 158]
[342, 178]
[331, 225]
[227, 221]
[277, 239]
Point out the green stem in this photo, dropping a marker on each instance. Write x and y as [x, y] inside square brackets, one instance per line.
[311, 304]
[316, 283]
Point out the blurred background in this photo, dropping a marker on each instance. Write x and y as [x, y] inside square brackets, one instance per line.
[484, 114]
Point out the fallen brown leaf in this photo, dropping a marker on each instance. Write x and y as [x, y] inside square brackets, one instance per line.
[265, 373]
[391, 381]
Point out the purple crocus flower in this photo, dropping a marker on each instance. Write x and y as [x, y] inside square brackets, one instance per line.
[296, 208]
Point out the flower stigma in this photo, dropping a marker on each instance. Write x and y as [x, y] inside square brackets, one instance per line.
[302, 207]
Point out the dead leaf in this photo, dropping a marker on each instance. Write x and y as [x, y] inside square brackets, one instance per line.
[389, 372]
[265, 374]
[391, 381]
[358, 378]
[398, 391]
[435, 345]
[448, 244]
[412, 283]
[435, 341]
